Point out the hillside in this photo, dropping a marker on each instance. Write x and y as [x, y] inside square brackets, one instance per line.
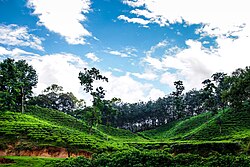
[226, 125]
[197, 140]
[50, 130]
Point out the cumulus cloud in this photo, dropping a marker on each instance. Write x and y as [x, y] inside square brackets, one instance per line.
[227, 21]
[168, 79]
[147, 75]
[14, 35]
[196, 63]
[128, 89]
[65, 73]
[223, 14]
[63, 17]
[93, 57]
[154, 94]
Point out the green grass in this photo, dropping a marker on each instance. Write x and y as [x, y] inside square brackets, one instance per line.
[177, 129]
[23, 161]
[119, 134]
[64, 120]
[235, 127]
[39, 128]
[17, 127]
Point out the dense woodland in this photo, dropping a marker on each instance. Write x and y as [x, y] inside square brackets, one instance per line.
[17, 79]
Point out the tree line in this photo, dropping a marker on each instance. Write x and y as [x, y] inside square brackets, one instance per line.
[219, 92]
[17, 78]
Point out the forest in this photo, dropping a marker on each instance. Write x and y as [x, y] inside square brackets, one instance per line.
[205, 127]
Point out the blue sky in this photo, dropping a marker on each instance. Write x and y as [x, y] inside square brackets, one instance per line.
[143, 46]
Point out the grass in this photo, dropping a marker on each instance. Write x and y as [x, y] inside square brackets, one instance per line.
[40, 127]
[177, 129]
[235, 127]
[17, 127]
[23, 161]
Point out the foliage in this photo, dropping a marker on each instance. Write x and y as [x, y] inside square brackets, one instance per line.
[178, 100]
[238, 94]
[178, 129]
[17, 79]
[22, 161]
[156, 159]
[74, 162]
[101, 109]
[53, 97]
[61, 131]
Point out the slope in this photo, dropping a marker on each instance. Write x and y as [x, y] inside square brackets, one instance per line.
[44, 128]
[226, 125]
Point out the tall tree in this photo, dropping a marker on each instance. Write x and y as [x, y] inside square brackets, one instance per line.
[209, 96]
[87, 78]
[238, 94]
[17, 79]
[178, 99]
[220, 86]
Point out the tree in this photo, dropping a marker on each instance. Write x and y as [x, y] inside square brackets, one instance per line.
[220, 86]
[193, 102]
[238, 94]
[178, 98]
[87, 78]
[209, 96]
[53, 97]
[17, 79]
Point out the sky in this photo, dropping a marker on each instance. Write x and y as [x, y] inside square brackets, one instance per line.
[142, 46]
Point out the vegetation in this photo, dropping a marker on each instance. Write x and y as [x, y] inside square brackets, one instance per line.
[156, 159]
[25, 161]
[206, 127]
[16, 82]
[53, 97]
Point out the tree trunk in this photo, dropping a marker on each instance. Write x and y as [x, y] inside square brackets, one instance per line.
[22, 100]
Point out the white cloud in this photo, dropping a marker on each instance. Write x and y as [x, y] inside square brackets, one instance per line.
[61, 69]
[161, 44]
[135, 3]
[222, 14]
[196, 63]
[147, 75]
[154, 94]
[117, 53]
[63, 17]
[134, 20]
[115, 69]
[129, 90]
[14, 52]
[14, 35]
[65, 73]
[220, 19]
[168, 79]
[154, 62]
[93, 57]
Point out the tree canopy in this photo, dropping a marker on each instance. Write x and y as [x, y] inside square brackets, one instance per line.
[17, 79]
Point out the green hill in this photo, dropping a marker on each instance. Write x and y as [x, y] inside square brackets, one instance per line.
[205, 137]
[227, 125]
[40, 128]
